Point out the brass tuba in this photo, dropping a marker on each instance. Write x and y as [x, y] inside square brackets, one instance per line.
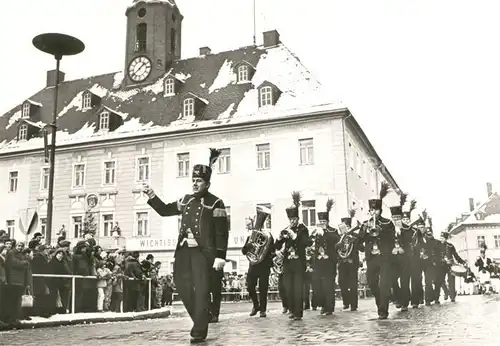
[346, 243]
[259, 241]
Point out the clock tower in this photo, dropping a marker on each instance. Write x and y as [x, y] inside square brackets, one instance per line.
[153, 40]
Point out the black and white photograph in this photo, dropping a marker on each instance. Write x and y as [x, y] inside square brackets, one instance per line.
[249, 172]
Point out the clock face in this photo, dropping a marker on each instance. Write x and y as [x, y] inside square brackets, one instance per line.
[139, 69]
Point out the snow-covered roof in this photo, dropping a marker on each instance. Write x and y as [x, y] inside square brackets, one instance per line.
[486, 213]
[145, 110]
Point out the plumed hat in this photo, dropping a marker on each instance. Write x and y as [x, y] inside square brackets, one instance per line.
[293, 210]
[376, 203]
[203, 171]
[348, 220]
[325, 215]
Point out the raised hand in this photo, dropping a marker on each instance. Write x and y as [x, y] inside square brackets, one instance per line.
[148, 191]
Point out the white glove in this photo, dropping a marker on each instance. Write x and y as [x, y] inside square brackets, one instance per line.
[219, 264]
[148, 191]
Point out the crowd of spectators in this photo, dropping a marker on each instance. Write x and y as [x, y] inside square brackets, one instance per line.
[116, 280]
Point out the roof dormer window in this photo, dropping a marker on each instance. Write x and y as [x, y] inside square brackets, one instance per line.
[87, 100]
[266, 96]
[26, 110]
[104, 121]
[188, 107]
[23, 132]
[243, 73]
[169, 87]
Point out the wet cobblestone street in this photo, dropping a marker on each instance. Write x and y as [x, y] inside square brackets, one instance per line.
[473, 320]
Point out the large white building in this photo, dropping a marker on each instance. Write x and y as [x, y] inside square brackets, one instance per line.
[277, 129]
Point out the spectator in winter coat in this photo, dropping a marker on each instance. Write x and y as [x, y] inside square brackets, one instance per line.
[59, 287]
[40, 265]
[82, 266]
[3, 253]
[104, 275]
[15, 268]
[28, 282]
[117, 295]
[133, 287]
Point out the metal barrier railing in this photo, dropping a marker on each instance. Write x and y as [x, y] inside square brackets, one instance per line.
[73, 285]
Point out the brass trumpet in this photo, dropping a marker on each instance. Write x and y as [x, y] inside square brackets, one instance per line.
[373, 227]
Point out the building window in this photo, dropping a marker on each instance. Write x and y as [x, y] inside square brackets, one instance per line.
[13, 178]
[77, 226]
[170, 87]
[306, 151]
[11, 228]
[107, 225]
[141, 33]
[309, 213]
[79, 175]
[43, 226]
[350, 152]
[87, 101]
[497, 241]
[26, 110]
[242, 73]
[225, 161]
[23, 132]
[358, 164]
[267, 224]
[142, 224]
[143, 169]
[44, 179]
[188, 107]
[228, 212]
[182, 165]
[109, 172]
[104, 121]
[480, 240]
[263, 156]
[173, 42]
[266, 96]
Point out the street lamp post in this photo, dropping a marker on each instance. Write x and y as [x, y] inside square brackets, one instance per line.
[57, 45]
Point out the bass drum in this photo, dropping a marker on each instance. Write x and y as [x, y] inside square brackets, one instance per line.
[458, 270]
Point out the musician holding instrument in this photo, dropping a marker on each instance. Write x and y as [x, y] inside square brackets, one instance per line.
[450, 255]
[429, 256]
[201, 245]
[259, 249]
[348, 249]
[325, 261]
[295, 239]
[401, 258]
[309, 278]
[378, 236]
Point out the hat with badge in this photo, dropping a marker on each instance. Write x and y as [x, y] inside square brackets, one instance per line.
[376, 203]
[397, 210]
[412, 206]
[348, 220]
[205, 171]
[293, 210]
[325, 215]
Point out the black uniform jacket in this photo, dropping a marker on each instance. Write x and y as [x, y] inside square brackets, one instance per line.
[205, 216]
[267, 262]
[385, 240]
[483, 264]
[451, 253]
[429, 250]
[405, 239]
[327, 242]
[298, 245]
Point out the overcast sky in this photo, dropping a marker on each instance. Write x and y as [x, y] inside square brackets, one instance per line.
[421, 77]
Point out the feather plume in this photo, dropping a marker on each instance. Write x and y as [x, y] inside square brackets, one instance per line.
[430, 221]
[329, 204]
[384, 189]
[214, 155]
[424, 214]
[352, 213]
[413, 205]
[296, 198]
[402, 198]
[450, 226]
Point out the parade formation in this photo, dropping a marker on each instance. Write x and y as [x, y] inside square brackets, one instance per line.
[400, 254]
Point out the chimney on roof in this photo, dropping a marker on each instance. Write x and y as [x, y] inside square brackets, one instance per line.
[271, 38]
[205, 50]
[51, 78]
[472, 206]
[489, 189]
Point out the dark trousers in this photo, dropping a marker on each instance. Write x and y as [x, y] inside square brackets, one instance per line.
[308, 286]
[12, 303]
[324, 284]
[401, 279]
[379, 278]
[2, 301]
[452, 292]
[216, 291]
[439, 279]
[348, 282]
[260, 274]
[116, 301]
[64, 293]
[192, 274]
[282, 291]
[417, 290]
[429, 280]
[293, 276]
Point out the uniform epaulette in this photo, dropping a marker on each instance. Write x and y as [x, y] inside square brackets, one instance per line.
[209, 201]
[384, 221]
